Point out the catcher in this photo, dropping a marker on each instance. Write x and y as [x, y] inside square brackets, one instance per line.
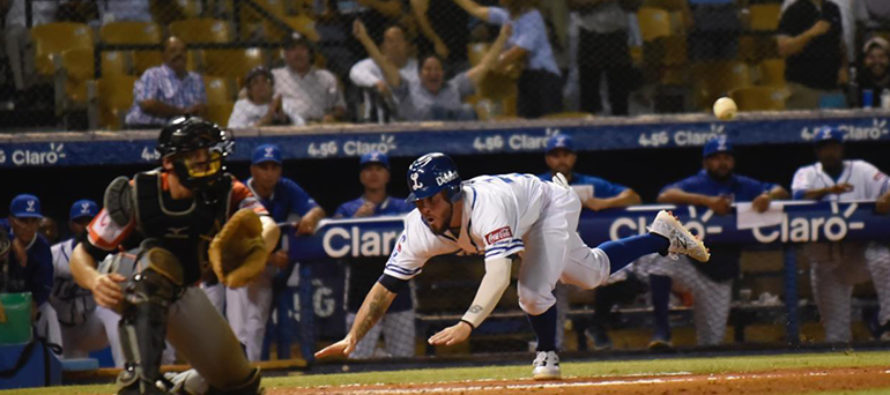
[187, 216]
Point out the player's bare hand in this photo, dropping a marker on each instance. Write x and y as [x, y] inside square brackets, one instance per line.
[882, 205]
[819, 28]
[359, 31]
[451, 335]
[107, 290]
[441, 49]
[721, 205]
[840, 188]
[343, 347]
[278, 259]
[761, 203]
[306, 227]
[366, 210]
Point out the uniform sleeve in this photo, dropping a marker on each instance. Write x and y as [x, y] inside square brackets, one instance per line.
[874, 179]
[242, 197]
[300, 201]
[605, 189]
[415, 247]
[343, 211]
[42, 279]
[496, 226]
[801, 183]
[238, 119]
[498, 16]
[105, 234]
[682, 185]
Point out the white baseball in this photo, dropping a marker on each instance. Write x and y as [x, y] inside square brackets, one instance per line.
[725, 108]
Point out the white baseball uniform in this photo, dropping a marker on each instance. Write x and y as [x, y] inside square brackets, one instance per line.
[505, 215]
[836, 267]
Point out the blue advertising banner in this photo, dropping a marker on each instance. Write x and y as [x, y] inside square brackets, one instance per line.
[473, 138]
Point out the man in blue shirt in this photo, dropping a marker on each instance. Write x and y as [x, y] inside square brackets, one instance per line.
[248, 308]
[715, 187]
[596, 194]
[29, 267]
[397, 326]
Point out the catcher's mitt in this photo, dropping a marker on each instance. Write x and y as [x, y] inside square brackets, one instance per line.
[238, 253]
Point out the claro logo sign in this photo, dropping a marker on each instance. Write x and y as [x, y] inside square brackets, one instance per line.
[832, 227]
[339, 241]
[52, 155]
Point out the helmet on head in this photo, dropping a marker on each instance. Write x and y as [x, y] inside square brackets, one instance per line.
[188, 134]
[432, 173]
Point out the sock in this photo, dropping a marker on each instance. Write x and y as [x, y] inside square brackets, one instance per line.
[544, 326]
[661, 296]
[622, 252]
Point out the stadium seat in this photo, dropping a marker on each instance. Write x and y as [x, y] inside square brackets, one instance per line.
[759, 98]
[202, 30]
[116, 63]
[302, 24]
[134, 33]
[654, 23]
[219, 113]
[191, 8]
[772, 72]
[74, 67]
[55, 38]
[715, 79]
[232, 63]
[219, 90]
[110, 98]
[765, 17]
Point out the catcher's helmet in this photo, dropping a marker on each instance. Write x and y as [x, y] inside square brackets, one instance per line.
[188, 134]
[432, 173]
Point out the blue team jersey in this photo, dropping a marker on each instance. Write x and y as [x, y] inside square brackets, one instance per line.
[738, 188]
[288, 197]
[390, 206]
[601, 188]
[37, 276]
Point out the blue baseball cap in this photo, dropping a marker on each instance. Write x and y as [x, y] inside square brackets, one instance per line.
[25, 206]
[374, 157]
[83, 208]
[266, 153]
[560, 141]
[717, 145]
[824, 134]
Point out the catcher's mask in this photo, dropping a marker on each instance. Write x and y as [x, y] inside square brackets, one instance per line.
[197, 149]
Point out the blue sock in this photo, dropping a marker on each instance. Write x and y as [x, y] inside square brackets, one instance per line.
[544, 326]
[622, 252]
[661, 295]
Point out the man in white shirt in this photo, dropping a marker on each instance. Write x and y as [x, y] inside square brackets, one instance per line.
[315, 91]
[367, 74]
[836, 267]
[260, 108]
[502, 217]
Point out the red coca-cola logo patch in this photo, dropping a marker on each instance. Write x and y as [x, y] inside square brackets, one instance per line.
[498, 235]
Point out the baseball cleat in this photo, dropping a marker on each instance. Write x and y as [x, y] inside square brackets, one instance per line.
[546, 366]
[682, 241]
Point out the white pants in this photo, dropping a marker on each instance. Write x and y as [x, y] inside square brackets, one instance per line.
[555, 252]
[834, 269]
[248, 309]
[398, 330]
[216, 294]
[100, 331]
[47, 324]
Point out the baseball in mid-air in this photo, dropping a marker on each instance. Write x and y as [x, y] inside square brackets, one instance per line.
[725, 108]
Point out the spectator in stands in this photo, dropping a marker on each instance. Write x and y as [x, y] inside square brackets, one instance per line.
[602, 49]
[810, 38]
[540, 84]
[167, 91]
[432, 98]
[873, 13]
[49, 229]
[29, 267]
[367, 74]
[874, 74]
[316, 94]
[596, 194]
[397, 326]
[260, 108]
[715, 29]
[715, 187]
[444, 31]
[17, 38]
[335, 23]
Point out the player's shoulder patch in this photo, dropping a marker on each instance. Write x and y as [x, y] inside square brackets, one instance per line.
[502, 233]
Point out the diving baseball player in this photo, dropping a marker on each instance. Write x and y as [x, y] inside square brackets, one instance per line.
[505, 217]
[191, 216]
[836, 267]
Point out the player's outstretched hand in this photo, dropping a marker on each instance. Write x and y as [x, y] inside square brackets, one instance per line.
[761, 203]
[841, 188]
[451, 335]
[107, 290]
[343, 347]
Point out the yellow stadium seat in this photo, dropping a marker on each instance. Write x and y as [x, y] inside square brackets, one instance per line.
[77, 66]
[134, 33]
[302, 24]
[772, 72]
[115, 63]
[759, 98]
[654, 23]
[219, 113]
[113, 99]
[54, 38]
[202, 30]
[191, 8]
[232, 63]
[715, 79]
[765, 17]
[219, 90]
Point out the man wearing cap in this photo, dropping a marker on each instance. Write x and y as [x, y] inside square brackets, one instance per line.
[248, 308]
[716, 187]
[836, 267]
[260, 108]
[397, 326]
[315, 91]
[596, 194]
[875, 75]
[30, 266]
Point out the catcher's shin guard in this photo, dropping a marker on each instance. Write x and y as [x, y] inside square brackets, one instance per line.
[143, 328]
[250, 386]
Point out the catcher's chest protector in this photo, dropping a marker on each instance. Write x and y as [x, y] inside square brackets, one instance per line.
[184, 227]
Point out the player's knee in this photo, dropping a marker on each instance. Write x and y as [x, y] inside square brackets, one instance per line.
[535, 303]
[248, 386]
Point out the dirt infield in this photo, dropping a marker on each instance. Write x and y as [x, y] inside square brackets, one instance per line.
[768, 382]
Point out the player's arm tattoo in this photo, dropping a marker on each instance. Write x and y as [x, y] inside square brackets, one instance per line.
[373, 308]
